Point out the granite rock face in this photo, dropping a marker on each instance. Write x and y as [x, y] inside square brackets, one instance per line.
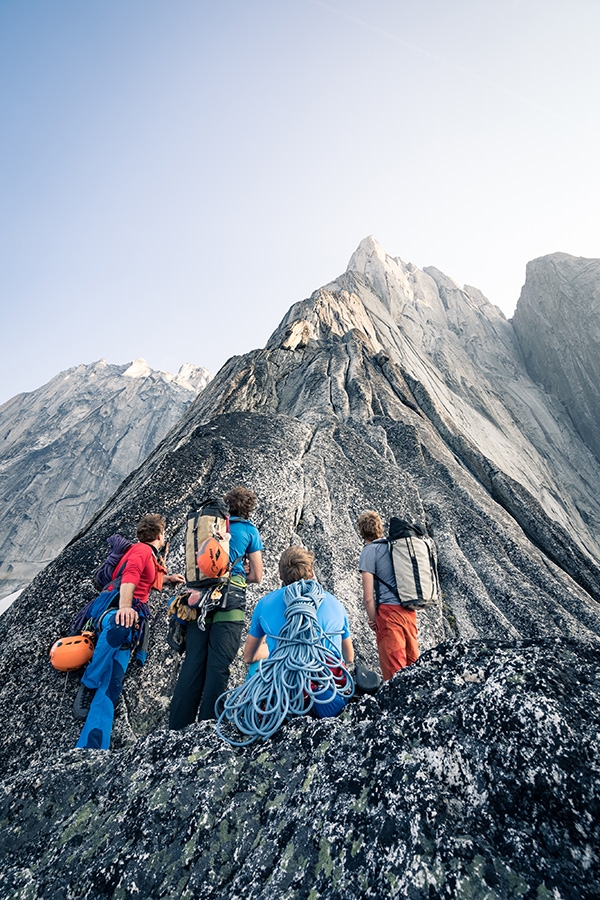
[557, 321]
[472, 774]
[67, 446]
[390, 388]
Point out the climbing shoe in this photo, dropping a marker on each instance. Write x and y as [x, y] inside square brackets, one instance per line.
[83, 701]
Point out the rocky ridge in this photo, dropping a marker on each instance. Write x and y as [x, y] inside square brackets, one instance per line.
[472, 774]
[67, 446]
[389, 388]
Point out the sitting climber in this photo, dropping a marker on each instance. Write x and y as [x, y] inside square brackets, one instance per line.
[210, 649]
[139, 571]
[268, 618]
[299, 647]
[395, 626]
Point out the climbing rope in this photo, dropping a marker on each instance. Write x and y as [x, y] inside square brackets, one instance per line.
[303, 672]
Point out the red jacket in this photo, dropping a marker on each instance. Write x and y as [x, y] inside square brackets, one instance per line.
[141, 568]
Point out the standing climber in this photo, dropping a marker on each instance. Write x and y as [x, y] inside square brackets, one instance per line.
[139, 570]
[210, 650]
[395, 626]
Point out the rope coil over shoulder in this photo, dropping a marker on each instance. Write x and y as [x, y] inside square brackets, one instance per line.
[303, 672]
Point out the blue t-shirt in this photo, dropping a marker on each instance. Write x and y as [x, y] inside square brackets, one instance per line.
[268, 619]
[376, 559]
[244, 539]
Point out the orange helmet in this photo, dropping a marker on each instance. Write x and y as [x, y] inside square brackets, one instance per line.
[212, 558]
[71, 653]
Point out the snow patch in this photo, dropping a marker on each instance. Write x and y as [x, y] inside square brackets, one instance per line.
[9, 600]
[139, 368]
[193, 377]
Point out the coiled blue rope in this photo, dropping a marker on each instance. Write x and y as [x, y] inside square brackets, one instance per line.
[296, 677]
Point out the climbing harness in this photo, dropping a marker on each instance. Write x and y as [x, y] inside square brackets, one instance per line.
[303, 673]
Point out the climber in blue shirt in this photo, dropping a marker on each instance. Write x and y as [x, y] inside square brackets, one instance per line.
[268, 618]
[211, 650]
[298, 636]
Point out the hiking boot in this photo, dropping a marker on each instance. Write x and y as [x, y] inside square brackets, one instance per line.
[83, 701]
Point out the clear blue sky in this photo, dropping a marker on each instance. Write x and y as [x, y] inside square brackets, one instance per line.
[175, 174]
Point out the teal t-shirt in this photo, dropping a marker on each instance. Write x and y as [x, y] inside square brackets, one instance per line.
[244, 539]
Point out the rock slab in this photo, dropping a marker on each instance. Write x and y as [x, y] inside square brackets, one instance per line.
[557, 321]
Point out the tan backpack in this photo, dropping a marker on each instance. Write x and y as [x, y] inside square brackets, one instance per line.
[210, 521]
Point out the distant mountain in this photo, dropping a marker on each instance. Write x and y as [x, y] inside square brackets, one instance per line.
[557, 322]
[66, 447]
[475, 772]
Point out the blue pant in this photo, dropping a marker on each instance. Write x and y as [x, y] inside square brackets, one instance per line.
[105, 673]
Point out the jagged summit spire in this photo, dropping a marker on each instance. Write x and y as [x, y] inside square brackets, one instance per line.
[371, 260]
[368, 249]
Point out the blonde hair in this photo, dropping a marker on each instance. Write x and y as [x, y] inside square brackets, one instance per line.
[370, 525]
[296, 563]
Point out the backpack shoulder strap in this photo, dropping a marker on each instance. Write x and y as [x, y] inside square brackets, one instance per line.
[196, 516]
[388, 586]
[392, 590]
[115, 582]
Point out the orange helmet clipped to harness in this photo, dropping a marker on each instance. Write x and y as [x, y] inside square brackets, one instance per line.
[212, 558]
[71, 653]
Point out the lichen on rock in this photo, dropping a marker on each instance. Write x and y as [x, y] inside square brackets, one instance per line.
[474, 773]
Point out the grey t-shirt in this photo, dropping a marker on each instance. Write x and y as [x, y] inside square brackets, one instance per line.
[376, 559]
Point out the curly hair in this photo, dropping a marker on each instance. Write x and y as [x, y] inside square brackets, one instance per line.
[296, 563]
[370, 525]
[150, 527]
[240, 501]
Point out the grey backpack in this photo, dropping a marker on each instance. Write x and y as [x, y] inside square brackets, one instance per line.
[414, 559]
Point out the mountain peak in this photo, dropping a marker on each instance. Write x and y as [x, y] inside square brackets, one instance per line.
[367, 251]
[97, 422]
[192, 377]
[557, 322]
[139, 368]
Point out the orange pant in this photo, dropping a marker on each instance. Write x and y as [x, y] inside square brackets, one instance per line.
[396, 638]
